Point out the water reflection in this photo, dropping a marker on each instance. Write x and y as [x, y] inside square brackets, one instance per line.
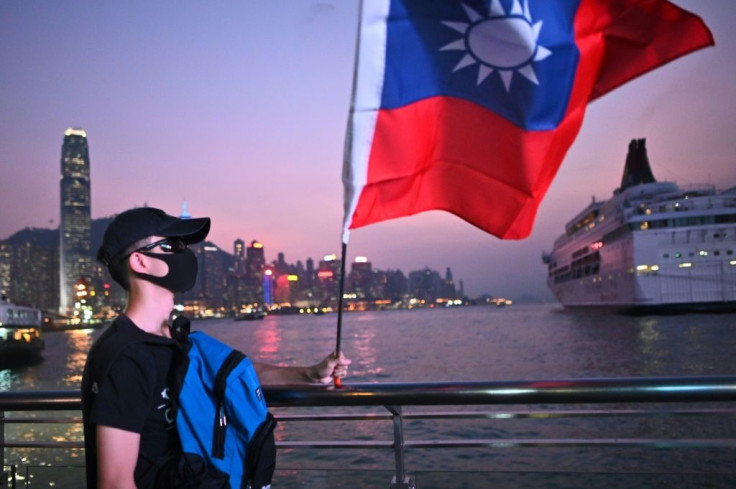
[268, 340]
[364, 352]
[78, 342]
[26, 378]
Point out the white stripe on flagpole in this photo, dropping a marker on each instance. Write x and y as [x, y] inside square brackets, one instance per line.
[370, 64]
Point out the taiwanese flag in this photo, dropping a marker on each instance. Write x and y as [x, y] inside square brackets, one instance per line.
[470, 106]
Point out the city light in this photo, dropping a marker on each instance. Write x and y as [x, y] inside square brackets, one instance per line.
[75, 132]
[644, 269]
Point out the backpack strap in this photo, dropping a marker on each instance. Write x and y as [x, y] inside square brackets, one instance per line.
[220, 429]
[179, 330]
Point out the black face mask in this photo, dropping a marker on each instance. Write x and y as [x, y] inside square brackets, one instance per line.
[182, 270]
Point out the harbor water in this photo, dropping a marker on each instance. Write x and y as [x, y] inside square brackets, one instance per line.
[520, 342]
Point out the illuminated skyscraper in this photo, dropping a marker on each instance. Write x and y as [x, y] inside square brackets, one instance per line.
[75, 261]
[255, 260]
[239, 253]
[361, 278]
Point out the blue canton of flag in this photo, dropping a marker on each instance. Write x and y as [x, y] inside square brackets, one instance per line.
[515, 59]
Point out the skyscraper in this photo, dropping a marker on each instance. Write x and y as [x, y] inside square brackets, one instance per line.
[75, 230]
[239, 253]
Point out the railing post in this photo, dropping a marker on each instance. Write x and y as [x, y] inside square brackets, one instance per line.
[2, 445]
[400, 480]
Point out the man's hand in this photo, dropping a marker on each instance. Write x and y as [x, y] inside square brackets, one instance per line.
[331, 367]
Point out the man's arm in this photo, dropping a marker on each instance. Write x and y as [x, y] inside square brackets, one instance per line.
[117, 455]
[321, 373]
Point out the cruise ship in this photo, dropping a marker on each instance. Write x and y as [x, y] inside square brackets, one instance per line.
[652, 247]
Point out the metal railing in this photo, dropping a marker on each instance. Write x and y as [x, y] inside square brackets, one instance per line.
[618, 395]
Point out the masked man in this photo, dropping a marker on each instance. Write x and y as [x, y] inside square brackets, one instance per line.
[130, 436]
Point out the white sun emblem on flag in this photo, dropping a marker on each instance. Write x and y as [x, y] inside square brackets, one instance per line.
[502, 42]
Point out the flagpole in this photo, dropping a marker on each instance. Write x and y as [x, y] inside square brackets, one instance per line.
[338, 383]
[346, 164]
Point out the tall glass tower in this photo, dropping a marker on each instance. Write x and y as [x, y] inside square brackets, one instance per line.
[75, 261]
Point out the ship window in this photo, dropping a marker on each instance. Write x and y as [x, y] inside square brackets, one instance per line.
[703, 253]
[644, 226]
[678, 255]
[725, 218]
[717, 253]
[666, 255]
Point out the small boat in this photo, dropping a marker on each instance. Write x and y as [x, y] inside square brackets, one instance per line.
[21, 337]
[251, 314]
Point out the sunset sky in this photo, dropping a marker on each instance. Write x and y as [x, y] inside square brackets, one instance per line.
[240, 109]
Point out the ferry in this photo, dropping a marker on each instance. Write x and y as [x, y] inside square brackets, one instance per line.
[652, 247]
[21, 337]
[251, 313]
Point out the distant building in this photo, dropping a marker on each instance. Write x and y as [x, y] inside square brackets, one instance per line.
[255, 265]
[310, 274]
[392, 285]
[255, 260]
[361, 279]
[239, 253]
[75, 259]
[211, 272]
[6, 277]
[426, 285]
[328, 276]
[449, 290]
[29, 269]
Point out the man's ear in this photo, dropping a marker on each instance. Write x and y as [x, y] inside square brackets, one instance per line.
[137, 262]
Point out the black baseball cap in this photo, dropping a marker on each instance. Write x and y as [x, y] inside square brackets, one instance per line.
[142, 222]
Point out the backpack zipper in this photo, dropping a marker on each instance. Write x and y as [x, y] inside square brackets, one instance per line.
[220, 427]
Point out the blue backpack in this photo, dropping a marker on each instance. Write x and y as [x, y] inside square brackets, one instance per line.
[225, 429]
[221, 413]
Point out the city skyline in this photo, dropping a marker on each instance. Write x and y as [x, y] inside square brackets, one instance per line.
[240, 111]
[41, 239]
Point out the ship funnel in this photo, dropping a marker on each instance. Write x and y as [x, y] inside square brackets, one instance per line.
[637, 170]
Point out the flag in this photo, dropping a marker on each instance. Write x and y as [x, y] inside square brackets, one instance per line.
[470, 106]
